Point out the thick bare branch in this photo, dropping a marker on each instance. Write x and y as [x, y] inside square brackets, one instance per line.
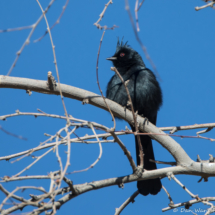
[79, 94]
[167, 142]
[82, 188]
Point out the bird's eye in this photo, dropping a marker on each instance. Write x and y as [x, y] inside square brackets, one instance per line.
[122, 54]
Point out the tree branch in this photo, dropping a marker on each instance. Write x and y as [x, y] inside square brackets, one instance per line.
[79, 94]
[167, 142]
[130, 199]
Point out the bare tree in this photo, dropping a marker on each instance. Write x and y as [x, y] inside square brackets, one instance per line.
[51, 200]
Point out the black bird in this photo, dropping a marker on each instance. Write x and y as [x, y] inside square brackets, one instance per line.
[146, 97]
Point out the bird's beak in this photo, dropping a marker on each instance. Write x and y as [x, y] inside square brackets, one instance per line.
[112, 58]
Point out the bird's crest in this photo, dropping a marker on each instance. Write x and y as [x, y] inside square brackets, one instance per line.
[121, 44]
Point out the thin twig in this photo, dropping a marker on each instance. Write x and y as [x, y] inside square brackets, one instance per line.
[19, 113]
[136, 15]
[97, 76]
[137, 8]
[211, 209]
[59, 142]
[183, 186]
[134, 117]
[101, 16]
[30, 165]
[141, 3]
[41, 156]
[55, 59]
[171, 135]
[57, 22]
[103, 12]
[21, 188]
[57, 153]
[130, 199]
[57, 135]
[99, 157]
[16, 29]
[68, 152]
[174, 129]
[188, 203]
[11, 134]
[20, 178]
[27, 41]
[6, 192]
[169, 197]
[125, 150]
[81, 140]
[67, 117]
[138, 39]
[163, 162]
[211, 4]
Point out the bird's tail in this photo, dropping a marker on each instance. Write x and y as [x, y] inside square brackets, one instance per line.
[152, 186]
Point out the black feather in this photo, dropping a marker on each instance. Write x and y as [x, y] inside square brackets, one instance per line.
[146, 96]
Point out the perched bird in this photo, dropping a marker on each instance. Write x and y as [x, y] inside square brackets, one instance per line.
[146, 97]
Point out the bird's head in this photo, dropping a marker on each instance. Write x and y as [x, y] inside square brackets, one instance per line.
[125, 57]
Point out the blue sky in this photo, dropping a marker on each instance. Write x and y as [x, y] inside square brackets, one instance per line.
[180, 43]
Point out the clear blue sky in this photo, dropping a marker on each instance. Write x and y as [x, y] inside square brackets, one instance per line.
[179, 40]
